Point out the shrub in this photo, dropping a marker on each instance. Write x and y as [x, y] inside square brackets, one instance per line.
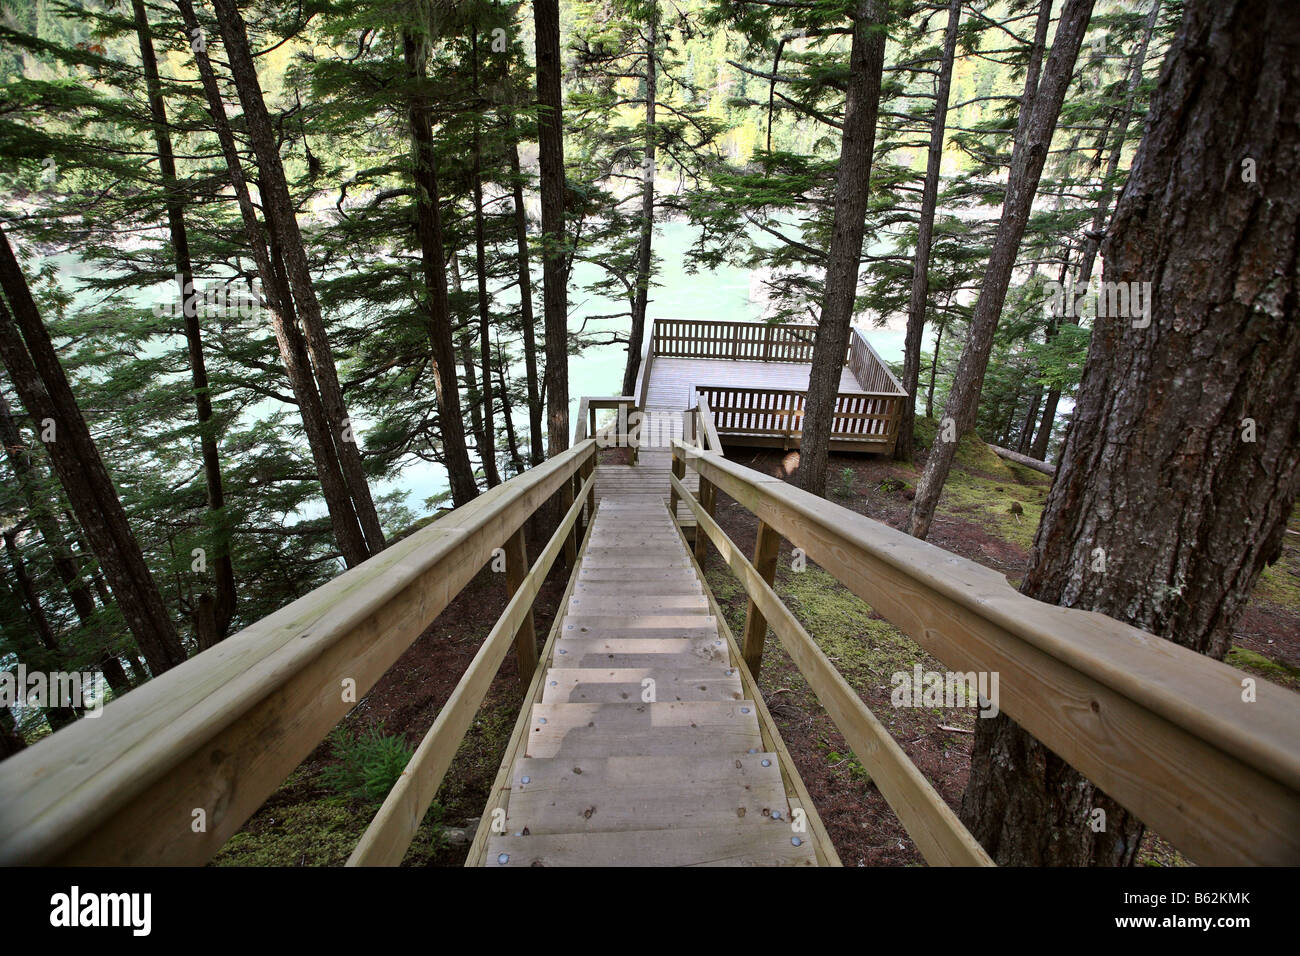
[368, 765]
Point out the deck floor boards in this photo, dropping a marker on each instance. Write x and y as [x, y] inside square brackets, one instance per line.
[609, 776]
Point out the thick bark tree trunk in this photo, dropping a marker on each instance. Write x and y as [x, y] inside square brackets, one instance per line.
[1033, 139]
[644, 252]
[460, 472]
[221, 608]
[903, 445]
[33, 365]
[282, 220]
[550, 139]
[278, 300]
[1181, 465]
[866, 67]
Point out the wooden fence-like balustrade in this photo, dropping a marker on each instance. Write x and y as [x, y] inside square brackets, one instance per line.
[777, 413]
[762, 414]
[734, 341]
[1173, 736]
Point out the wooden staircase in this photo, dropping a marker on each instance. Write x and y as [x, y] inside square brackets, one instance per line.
[644, 748]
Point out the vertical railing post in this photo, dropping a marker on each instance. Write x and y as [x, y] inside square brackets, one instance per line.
[706, 497]
[679, 469]
[570, 539]
[526, 639]
[765, 553]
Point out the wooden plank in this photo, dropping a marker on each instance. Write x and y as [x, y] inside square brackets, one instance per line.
[766, 547]
[516, 573]
[768, 843]
[661, 805]
[607, 730]
[930, 822]
[611, 685]
[1160, 728]
[121, 789]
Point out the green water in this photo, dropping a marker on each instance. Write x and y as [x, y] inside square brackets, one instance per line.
[722, 294]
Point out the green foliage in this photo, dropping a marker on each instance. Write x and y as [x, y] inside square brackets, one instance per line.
[369, 763]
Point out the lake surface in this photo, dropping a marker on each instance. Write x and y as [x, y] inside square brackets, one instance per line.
[723, 293]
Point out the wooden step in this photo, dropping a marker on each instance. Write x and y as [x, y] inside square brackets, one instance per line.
[640, 604]
[584, 625]
[592, 685]
[650, 805]
[632, 588]
[630, 730]
[764, 842]
[668, 653]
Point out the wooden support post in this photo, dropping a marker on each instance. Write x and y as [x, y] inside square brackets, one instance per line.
[765, 552]
[706, 496]
[679, 469]
[526, 639]
[570, 542]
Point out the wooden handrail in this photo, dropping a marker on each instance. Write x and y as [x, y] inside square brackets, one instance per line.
[930, 822]
[389, 835]
[168, 772]
[1161, 729]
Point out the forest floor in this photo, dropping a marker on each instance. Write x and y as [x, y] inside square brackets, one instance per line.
[307, 823]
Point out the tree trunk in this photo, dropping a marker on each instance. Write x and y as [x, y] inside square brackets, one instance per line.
[460, 472]
[282, 220]
[11, 738]
[52, 656]
[1034, 137]
[644, 253]
[507, 411]
[903, 445]
[550, 140]
[934, 369]
[473, 397]
[866, 67]
[488, 450]
[278, 299]
[293, 348]
[43, 388]
[46, 519]
[527, 321]
[1181, 465]
[222, 607]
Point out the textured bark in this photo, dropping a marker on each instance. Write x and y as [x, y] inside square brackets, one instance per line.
[550, 141]
[1033, 139]
[527, 321]
[278, 300]
[282, 220]
[460, 472]
[52, 657]
[487, 451]
[866, 67]
[903, 445]
[1155, 470]
[221, 608]
[11, 738]
[33, 365]
[644, 252]
[45, 517]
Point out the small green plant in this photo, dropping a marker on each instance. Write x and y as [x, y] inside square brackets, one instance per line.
[368, 765]
[845, 486]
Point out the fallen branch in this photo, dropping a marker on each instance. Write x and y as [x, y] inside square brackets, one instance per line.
[1025, 460]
